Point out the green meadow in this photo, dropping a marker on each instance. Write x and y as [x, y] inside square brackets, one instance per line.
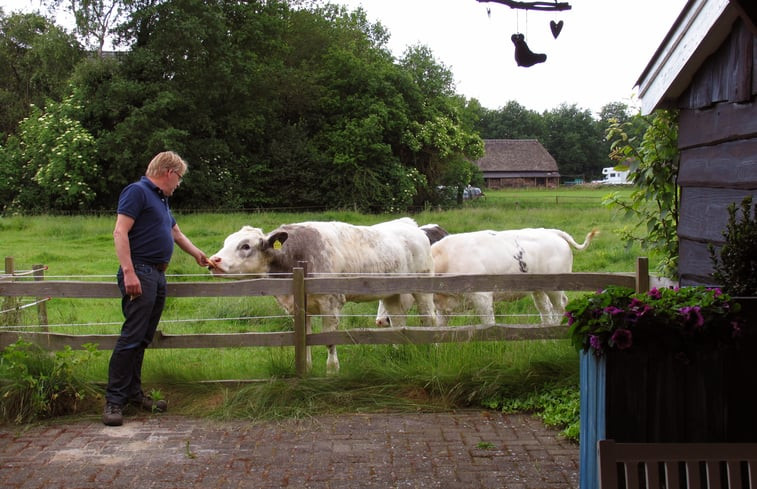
[260, 382]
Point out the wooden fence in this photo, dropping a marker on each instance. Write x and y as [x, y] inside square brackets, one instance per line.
[299, 285]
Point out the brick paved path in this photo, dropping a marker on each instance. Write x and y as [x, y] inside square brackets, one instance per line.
[466, 449]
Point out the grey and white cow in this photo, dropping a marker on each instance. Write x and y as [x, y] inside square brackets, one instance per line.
[397, 246]
[500, 252]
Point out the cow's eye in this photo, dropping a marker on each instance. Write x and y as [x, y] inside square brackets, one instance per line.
[244, 247]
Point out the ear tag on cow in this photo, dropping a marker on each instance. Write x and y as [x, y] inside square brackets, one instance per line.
[277, 245]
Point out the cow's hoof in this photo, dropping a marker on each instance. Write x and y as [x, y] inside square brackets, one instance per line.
[332, 368]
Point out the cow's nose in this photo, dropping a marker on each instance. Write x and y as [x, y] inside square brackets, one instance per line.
[214, 261]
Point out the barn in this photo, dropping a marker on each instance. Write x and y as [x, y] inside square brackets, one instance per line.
[517, 163]
[705, 68]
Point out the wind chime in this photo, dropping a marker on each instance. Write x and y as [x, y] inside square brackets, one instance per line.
[523, 55]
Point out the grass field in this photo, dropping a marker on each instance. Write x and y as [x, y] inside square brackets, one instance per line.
[81, 248]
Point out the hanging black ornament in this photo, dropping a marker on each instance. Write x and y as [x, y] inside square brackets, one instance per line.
[523, 56]
[555, 27]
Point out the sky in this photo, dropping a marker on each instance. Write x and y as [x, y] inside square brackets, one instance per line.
[596, 59]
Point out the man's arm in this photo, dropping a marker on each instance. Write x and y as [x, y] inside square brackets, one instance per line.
[124, 224]
[186, 244]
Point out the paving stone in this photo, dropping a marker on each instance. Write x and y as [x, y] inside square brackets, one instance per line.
[462, 449]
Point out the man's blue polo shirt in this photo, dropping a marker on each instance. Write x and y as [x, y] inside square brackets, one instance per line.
[150, 239]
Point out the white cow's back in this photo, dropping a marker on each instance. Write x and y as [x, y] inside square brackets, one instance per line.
[493, 252]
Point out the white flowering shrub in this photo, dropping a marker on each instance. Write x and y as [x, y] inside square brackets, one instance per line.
[52, 163]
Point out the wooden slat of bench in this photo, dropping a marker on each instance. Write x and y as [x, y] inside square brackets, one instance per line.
[650, 455]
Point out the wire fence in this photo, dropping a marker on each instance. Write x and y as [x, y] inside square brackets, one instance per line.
[296, 287]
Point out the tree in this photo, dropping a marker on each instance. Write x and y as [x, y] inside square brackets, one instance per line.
[616, 114]
[350, 93]
[513, 121]
[573, 138]
[196, 80]
[37, 59]
[94, 18]
[274, 107]
[440, 140]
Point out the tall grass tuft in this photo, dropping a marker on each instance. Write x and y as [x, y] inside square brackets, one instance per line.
[36, 384]
[412, 378]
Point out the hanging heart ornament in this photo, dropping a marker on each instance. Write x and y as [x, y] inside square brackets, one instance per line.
[555, 27]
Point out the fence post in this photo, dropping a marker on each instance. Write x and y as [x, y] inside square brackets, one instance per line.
[10, 304]
[39, 274]
[642, 274]
[300, 321]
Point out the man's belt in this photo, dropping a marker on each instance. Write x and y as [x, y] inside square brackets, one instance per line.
[161, 267]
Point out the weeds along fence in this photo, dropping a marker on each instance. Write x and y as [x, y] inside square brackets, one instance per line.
[16, 285]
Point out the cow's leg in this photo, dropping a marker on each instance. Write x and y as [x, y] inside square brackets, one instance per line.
[483, 303]
[382, 316]
[426, 309]
[331, 323]
[559, 300]
[331, 307]
[544, 305]
[394, 312]
[443, 305]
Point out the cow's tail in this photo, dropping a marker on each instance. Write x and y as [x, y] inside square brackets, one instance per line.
[567, 237]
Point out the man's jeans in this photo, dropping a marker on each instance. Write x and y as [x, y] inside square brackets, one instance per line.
[142, 315]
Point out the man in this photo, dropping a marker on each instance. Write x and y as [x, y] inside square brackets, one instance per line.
[144, 239]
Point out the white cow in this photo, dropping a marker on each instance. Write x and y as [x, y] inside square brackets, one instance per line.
[501, 252]
[434, 233]
[397, 246]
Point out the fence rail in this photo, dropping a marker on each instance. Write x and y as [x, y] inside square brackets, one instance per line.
[299, 285]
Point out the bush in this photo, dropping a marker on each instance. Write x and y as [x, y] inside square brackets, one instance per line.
[51, 164]
[735, 268]
[37, 384]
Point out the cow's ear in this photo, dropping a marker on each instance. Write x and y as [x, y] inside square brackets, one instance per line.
[277, 239]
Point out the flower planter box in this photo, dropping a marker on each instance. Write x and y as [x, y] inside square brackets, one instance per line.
[650, 394]
[708, 395]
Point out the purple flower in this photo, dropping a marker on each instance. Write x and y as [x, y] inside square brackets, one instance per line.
[692, 314]
[570, 317]
[595, 342]
[654, 293]
[622, 338]
[613, 311]
[639, 307]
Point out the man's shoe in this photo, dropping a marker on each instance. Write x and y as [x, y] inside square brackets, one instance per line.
[112, 415]
[147, 403]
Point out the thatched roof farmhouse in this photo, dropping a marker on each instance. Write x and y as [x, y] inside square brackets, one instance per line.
[517, 163]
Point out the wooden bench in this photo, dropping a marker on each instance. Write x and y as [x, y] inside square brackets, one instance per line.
[677, 465]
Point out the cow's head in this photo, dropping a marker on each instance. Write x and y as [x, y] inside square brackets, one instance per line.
[248, 251]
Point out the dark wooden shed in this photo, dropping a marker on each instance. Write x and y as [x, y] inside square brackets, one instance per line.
[706, 68]
[517, 163]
